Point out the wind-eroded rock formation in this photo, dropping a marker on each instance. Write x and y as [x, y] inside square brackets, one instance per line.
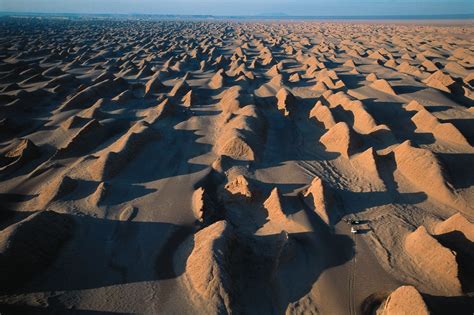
[185, 166]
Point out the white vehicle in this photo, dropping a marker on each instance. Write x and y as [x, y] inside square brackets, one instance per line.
[354, 230]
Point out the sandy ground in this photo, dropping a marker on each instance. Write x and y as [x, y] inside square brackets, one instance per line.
[219, 167]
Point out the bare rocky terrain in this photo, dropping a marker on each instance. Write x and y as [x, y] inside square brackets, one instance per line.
[232, 167]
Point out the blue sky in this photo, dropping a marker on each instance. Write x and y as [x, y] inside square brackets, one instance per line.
[245, 7]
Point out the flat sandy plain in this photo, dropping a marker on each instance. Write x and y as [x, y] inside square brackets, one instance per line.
[182, 167]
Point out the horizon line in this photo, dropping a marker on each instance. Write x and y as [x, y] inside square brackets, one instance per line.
[461, 16]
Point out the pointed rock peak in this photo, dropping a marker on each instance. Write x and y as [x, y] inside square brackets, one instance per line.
[316, 187]
[372, 77]
[189, 99]
[456, 223]
[289, 50]
[180, 89]
[429, 66]
[99, 194]
[367, 162]
[439, 80]
[320, 198]
[25, 147]
[186, 76]
[277, 80]
[154, 85]
[56, 189]
[203, 65]
[354, 71]
[274, 71]
[286, 101]
[414, 106]
[255, 64]
[320, 87]
[217, 80]
[341, 138]
[383, 86]
[274, 205]
[295, 77]
[349, 63]
[283, 94]
[268, 60]
[198, 203]
[405, 300]
[406, 56]
[377, 56]
[242, 79]
[391, 63]
[239, 187]
[164, 108]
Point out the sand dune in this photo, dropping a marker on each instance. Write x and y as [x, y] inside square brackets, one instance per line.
[424, 170]
[21, 153]
[342, 139]
[405, 300]
[207, 267]
[235, 167]
[320, 198]
[426, 121]
[436, 261]
[286, 101]
[239, 188]
[456, 223]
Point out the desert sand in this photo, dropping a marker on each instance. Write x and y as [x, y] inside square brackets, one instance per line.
[218, 167]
